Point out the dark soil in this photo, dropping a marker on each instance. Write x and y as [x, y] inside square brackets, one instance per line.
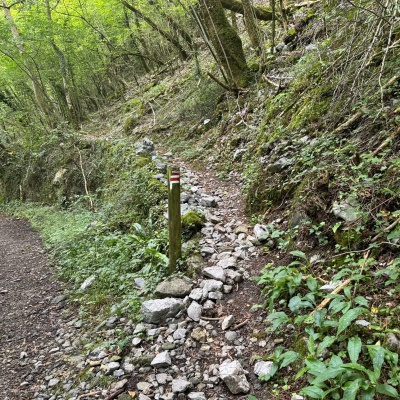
[29, 319]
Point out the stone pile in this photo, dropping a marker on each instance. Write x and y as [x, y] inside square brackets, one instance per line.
[185, 347]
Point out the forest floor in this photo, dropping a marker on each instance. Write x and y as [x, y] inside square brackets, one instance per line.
[38, 332]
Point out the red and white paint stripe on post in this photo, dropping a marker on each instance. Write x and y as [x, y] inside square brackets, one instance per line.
[175, 177]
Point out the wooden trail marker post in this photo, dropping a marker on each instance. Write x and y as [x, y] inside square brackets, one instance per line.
[174, 217]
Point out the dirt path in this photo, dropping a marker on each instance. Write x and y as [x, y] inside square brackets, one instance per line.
[29, 317]
[37, 331]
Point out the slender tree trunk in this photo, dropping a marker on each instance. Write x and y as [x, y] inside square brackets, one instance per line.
[134, 44]
[163, 33]
[273, 8]
[251, 25]
[226, 42]
[284, 15]
[29, 67]
[74, 116]
[234, 21]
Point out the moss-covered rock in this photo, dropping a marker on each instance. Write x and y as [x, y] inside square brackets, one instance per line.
[348, 238]
[129, 124]
[142, 161]
[192, 222]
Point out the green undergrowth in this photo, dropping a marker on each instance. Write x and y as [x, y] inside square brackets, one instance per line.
[82, 246]
[337, 344]
[110, 228]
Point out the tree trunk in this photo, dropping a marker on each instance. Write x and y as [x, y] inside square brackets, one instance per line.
[251, 25]
[73, 116]
[163, 33]
[134, 44]
[260, 12]
[29, 67]
[273, 26]
[234, 21]
[226, 42]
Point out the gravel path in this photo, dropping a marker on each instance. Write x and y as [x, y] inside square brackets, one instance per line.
[41, 341]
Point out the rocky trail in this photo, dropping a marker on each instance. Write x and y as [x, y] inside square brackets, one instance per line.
[196, 341]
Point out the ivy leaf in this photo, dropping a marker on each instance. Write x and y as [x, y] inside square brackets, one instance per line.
[296, 303]
[348, 318]
[336, 227]
[278, 318]
[335, 361]
[319, 316]
[354, 348]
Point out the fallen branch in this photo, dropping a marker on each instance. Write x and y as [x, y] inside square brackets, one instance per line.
[386, 142]
[114, 395]
[266, 79]
[388, 228]
[89, 394]
[355, 117]
[84, 179]
[241, 324]
[326, 301]
[212, 319]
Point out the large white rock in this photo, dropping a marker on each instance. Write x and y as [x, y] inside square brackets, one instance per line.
[180, 385]
[263, 367]
[196, 294]
[347, 210]
[227, 322]
[217, 273]
[155, 311]
[208, 201]
[261, 232]
[177, 287]
[211, 285]
[194, 311]
[161, 360]
[229, 262]
[87, 283]
[232, 373]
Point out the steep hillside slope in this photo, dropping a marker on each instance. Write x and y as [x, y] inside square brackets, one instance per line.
[313, 145]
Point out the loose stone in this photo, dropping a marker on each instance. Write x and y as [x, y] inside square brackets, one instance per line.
[199, 334]
[197, 396]
[216, 273]
[161, 360]
[232, 373]
[180, 385]
[227, 322]
[155, 311]
[263, 367]
[194, 311]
